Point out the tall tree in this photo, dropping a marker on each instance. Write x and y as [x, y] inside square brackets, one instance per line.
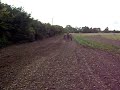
[106, 30]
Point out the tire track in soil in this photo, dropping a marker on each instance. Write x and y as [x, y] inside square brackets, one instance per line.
[102, 66]
[90, 79]
[61, 65]
[11, 66]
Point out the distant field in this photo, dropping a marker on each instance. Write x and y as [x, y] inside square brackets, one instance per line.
[114, 36]
[104, 41]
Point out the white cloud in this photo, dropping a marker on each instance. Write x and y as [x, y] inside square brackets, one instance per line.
[93, 13]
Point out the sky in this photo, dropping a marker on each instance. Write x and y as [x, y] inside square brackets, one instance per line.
[77, 13]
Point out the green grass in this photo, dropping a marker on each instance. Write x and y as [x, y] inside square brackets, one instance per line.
[81, 39]
[112, 36]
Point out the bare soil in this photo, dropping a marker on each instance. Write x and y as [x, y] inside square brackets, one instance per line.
[55, 64]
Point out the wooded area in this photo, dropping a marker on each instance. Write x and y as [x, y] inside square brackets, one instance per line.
[16, 26]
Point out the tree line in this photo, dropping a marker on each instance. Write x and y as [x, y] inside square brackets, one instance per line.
[17, 26]
[86, 29]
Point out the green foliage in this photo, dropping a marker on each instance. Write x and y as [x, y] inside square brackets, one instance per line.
[3, 41]
[106, 30]
[70, 29]
[85, 29]
[16, 25]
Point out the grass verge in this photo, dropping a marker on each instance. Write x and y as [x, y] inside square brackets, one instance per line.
[85, 42]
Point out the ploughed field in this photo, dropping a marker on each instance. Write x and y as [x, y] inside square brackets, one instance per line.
[89, 62]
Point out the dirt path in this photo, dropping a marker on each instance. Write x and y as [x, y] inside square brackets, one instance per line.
[54, 64]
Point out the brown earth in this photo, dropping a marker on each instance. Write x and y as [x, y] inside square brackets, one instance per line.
[55, 64]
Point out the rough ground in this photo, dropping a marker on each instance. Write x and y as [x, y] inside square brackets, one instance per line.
[55, 64]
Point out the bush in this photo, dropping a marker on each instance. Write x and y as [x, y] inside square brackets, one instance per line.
[16, 26]
[3, 41]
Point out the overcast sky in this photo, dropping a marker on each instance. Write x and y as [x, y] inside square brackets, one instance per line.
[92, 13]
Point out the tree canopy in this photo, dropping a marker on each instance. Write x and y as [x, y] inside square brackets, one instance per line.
[16, 25]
